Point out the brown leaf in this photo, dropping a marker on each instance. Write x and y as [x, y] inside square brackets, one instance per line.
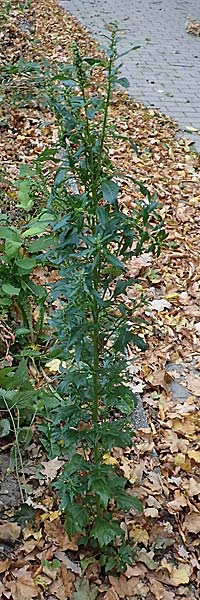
[55, 532]
[57, 588]
[72, 566]
[177, 504]
[51, 468]
[193, 384]
[192, 523]
[67, 581]
[4, 565]
[9, 533]
[23, 588]
[192, 487]
[156, 589]
[127, 587]
[111, 595]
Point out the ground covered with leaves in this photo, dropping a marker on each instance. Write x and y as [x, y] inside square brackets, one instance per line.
[38, 560]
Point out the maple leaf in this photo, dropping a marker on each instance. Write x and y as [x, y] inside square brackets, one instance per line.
[23, 588]
[51, 468]
[181, 574]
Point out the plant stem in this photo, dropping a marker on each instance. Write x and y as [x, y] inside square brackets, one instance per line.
[17, 452]
[108, 97]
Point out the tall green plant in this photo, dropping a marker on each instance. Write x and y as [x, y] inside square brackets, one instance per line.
[94, 240]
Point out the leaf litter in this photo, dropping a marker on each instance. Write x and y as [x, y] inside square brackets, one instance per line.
[163, 466]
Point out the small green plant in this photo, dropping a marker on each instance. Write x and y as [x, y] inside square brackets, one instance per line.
[17, 289]
[18, 404]
[93, 323]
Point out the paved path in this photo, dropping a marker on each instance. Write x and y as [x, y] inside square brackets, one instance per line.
[165, 72]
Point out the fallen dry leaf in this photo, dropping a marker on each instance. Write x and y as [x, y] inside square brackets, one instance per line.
[54, 365]
[159, 305]
[193, 384]
[9, 533]
[23, 588]
[51, 468]
[139, 535]
[57, 589]
[181, 575]
[192, 523]
[156, 589]
[67, 581]
[55, 532]
[111, 595]
[72, 566]
[4, 565]
[195, 455]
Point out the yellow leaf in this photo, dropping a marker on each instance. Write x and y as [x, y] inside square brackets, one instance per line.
[55, 364]
[181, 575]
[52, 515]
[195, 454]
[110, 460]
[29, 532]
[139, 535]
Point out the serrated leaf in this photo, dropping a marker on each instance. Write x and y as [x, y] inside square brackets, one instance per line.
[126, 501]
[104, 531]
[100, 487]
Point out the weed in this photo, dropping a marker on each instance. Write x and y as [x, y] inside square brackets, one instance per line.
[93, 325]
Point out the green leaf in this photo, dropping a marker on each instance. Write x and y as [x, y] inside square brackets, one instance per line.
[60, 177]
[24, 195]
[76, 519]
[4, 427]
[34, 230]
[125, 501]
[109, 189]
[11, 248]
[100, 486]
[123, 81]
[24, 514]
[83, 590]
[104, 531]
[47, 154]
[10, 290]
[26, 265]
[139, 342]
[6, 233]
[34, 289]
[52, 565]
[94, 61]
[135, 148]
[41, 243]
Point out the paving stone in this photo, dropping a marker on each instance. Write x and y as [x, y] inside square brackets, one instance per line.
[167, 55]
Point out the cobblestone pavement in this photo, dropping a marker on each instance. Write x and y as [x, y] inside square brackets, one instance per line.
[165, 72]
